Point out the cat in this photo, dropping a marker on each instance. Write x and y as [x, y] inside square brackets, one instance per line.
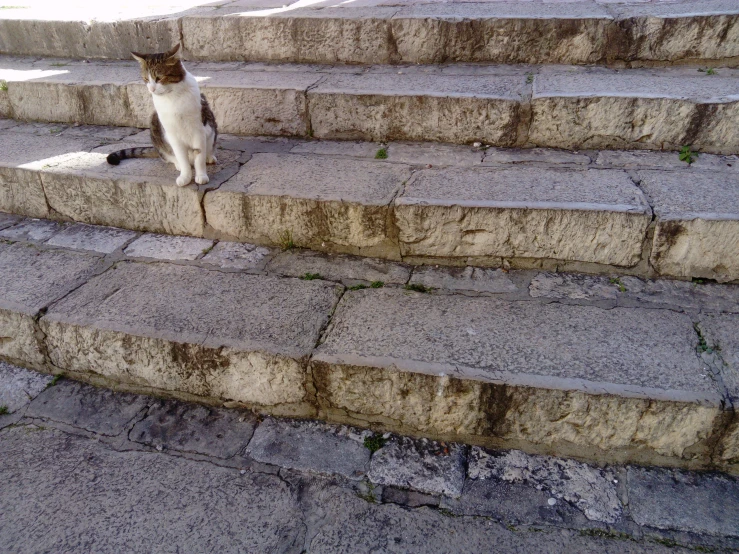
[183, 127]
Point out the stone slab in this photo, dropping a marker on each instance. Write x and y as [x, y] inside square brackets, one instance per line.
[382, 107]
[19, 386]
[323, 203]
[694, 502]
[641, 159]
[228, 336]
[193, 428]
[237, 255]
[683, 295]
[722, 335]
[93, 409]
[593, 490]
[32, 230]
[309, 446]
[697, 233]
[508, 156]
[92, 237]
[477, 279]
[138, 194]
[647, 109]
[590, 215]
[338, 267]
[354, 149]
[164, 247]
[462, 366]
[425, 466]
[8, 220]
[434, 154]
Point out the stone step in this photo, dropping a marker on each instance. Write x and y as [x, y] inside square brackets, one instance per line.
[553, 210]
[628, 380]
[391, 31]
[546, 106]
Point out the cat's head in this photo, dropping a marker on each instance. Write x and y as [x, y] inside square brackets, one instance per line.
[161, 71]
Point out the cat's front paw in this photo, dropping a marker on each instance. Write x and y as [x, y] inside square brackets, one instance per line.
[212, 160]
[183, 180]
[201, 179]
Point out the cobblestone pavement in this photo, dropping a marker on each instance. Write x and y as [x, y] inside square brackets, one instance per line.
[89, 470]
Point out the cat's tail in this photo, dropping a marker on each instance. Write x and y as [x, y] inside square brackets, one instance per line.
[114, 158]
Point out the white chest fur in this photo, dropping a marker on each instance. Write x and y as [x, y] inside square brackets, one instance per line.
[179, 111]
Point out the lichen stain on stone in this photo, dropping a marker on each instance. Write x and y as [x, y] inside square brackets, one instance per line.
[197, 363]
[667, 235]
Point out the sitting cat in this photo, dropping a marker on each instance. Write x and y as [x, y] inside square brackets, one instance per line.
[183, 127]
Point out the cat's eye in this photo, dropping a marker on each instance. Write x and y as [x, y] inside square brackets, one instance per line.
[157, 79]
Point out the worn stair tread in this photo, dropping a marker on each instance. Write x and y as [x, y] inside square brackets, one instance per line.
[470, 206]
[621, 382]
[385, 32]
[550, 106]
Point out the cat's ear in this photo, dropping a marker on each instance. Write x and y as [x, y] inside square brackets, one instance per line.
[172, 54]
[139, 57]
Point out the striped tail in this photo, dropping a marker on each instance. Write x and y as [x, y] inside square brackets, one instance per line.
[114, 158]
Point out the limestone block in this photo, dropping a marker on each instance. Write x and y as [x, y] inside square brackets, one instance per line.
[591, 216]
[697, 232]
[322, 203]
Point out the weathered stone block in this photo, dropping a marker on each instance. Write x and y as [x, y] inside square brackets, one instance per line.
[318, 202]
[581, 379]
[416, 106]
[697, 233]
[227, 336]
[590, 216]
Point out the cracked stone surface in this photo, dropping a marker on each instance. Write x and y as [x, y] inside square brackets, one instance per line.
[92, 237]
[192, 428]
[469, 278]
[38, 230]
[163, 247]
[19, 386]
[236, 255]
[94, 409]
[310, 446]
[591, 489]
[338, 267]
[426, 466]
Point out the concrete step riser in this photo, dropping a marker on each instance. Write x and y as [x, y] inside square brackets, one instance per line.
[509, 106]
[606, 384]
[496, 33]
[595, 220]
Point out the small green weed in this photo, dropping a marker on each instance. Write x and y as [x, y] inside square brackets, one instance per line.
[3, 85]
[605, 534]
[374, 443]
[311, 276]
[702, 344]
[709, 71]
[358, 287]
[286, 240]
[55, 380]
[616, 281]
[55, 131]
[381, 154]
[58, 64]
[697, 281]
[417, 287]
[687, 155]
[377, 284]
[529, 78]
[206, 250]
[4, 410]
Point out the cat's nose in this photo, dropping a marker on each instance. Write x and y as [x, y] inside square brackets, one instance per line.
[151, 86]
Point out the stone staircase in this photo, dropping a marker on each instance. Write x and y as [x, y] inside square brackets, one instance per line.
[460, 161]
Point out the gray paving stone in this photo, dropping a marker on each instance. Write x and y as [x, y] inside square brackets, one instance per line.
[635, 159]
[92, 237]
[721, 333]
[425, 466]
[354, 149]
[591, 489]
[238, 255]
[338, 268]
[508, 156]
[37, 230]
[512, 504]
[708, 297]
[135, 501]
[523, 212]
[434, 154]
[440, 361]
[228, 336]
[93, 409]
[6, 220]
[166, 247]
[696, 502]
[309, 446]
[477, 279]
[697, 233]
[193, 428]
[18, 386]
[408, 498]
